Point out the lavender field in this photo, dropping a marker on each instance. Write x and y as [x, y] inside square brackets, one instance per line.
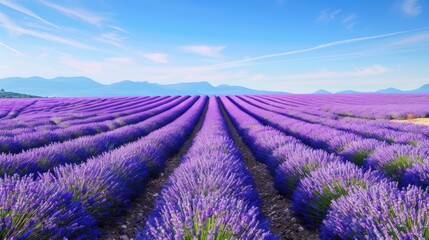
[215, 167]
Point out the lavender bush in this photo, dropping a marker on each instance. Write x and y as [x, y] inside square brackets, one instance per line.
[382, 211]
[314, 194]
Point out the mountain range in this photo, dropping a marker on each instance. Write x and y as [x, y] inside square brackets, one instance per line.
[422, 89]
[86, 87]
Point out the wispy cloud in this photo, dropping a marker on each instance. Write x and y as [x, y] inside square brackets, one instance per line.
[411, 8]
[119, 29]
[9, 25]
[155, 57]
[112, 38]
[416, 38]
[328, 15]
[360, 72]
[350, 20]
[15, 6]
[12, 49]
[77, 13]
[203, 50]
[321, 46]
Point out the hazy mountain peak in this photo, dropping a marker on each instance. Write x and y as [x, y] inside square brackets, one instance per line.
[322, 91]
[83, 86]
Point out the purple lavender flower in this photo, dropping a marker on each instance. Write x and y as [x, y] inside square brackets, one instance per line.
[418, 174]
[300, 164]
[380, 212]
[358, 151]
[35, 210]
[393, 160]
[314, 194]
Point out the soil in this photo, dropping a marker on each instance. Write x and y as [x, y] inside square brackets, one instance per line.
[423, 121]
[134, 219]
[275, 206]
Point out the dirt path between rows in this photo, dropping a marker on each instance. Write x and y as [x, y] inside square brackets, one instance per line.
[128, 224]
[274, 206]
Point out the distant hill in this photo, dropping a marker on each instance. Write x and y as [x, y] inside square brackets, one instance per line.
[86, 87]
[422, 89]
[322, 91]
[4, 94]
[83, 86]
[390, 90]
[349, 92]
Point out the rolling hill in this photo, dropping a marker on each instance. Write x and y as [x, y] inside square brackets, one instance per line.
[86, 87]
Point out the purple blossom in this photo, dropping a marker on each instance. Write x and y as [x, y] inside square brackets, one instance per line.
[298, 165]
[314, 194]
[382, 211]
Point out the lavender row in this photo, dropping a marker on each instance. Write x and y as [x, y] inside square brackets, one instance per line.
[393, 160]
[119, 111]
[370, 106]
[406, 164]
[383, 123]
[48, 122]
[211, 194]
[73, 200]
[362, 129]
[17, 107]
[38, 139]
[78, 150]
[69, 104]
[292, 163]
[324, 188]
[43, 108]
[45, 117]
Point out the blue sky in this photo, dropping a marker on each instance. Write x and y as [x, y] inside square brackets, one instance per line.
[290, 45]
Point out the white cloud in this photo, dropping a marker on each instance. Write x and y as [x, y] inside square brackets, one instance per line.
[114, 36]
[360, 72]
[350, 20]
[155, 57]
[203, 50]
[12, 49]
[118, 29]
[327, 15]
[77, 13]
[411, 8]
[317, 47]
[9, 25]
[23, 10]
[417, 38]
